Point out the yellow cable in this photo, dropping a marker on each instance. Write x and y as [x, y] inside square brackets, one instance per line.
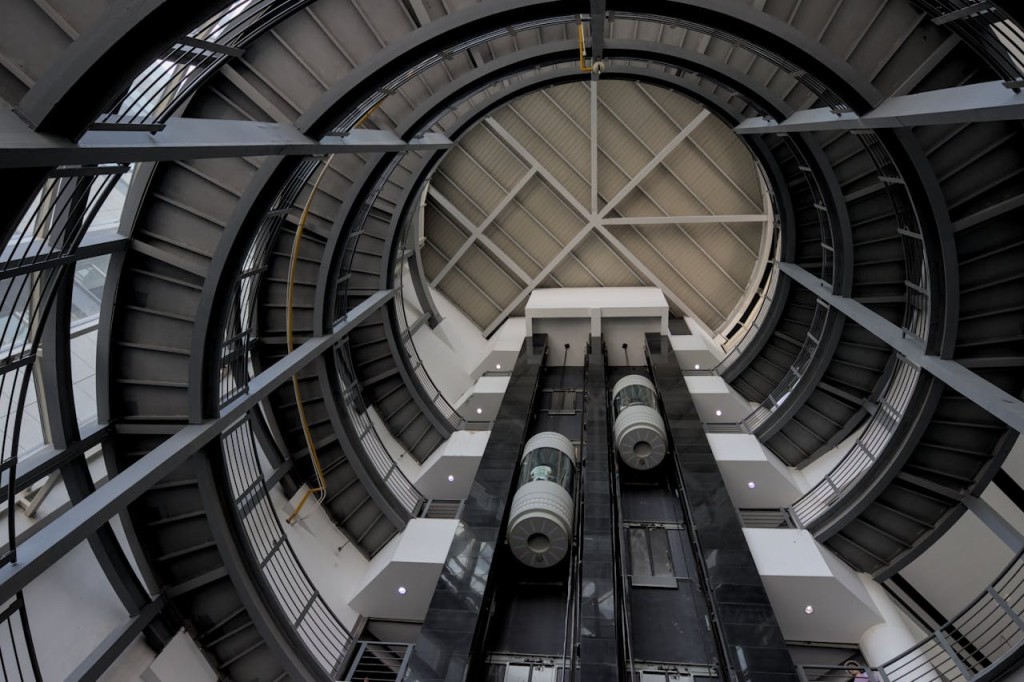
[321, 489]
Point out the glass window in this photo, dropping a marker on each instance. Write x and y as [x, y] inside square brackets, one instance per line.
[650, 558]
[634, 395]
[547, 464]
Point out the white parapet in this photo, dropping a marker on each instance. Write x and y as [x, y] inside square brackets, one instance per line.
[754, 478]
[400, 580]
[448, 473]
[815, 596]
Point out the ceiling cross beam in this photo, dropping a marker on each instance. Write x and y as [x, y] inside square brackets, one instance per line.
[654, 162]
[476, 232]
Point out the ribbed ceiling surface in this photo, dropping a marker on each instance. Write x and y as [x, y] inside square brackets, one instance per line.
[674, 200]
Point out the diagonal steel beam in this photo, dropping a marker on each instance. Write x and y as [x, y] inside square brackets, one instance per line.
[476, 232]
[685, 219]
[191, 138]
[655, 162]
[985, 395]
[517, 147]
[625, 253]
[593, 145]
[532, 284]
[75, 526]
[975, 103]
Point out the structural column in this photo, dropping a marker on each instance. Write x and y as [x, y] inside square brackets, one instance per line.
[599, 647]
[748, 632]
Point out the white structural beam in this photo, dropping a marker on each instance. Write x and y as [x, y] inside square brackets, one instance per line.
[523, 153]
[541, 276]
[476, 232]
[982, 393]
[624, 252]
[686, 219]
[975, 103]
[655, 162]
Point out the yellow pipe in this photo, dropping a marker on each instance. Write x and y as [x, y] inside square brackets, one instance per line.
[583, 60]
[321, 489]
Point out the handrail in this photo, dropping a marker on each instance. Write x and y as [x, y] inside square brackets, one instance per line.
[168, 82]
[987, 635]
[889, 413]
[296, 598]
[762, 303]
[776, 398]
[989, 31]
[454, 419]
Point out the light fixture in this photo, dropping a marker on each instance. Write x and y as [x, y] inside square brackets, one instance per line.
[751, 485]
[479, 410]
[808, 609]
[402, 590]
[497, 366]
[696, 366]
[451, 479]
[718, 413]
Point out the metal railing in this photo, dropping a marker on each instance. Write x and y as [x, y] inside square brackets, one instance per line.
[915, 317]
[18, 662]
[891, 407]
[379, 662]
[986, 29]
[355, 409]
[776, 398]
[406, 332]
[159, 90]
[300, 604]
[760, 305]
[986, 634]
[767, 518]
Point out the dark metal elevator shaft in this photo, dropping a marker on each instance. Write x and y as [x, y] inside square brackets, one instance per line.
[658, 583]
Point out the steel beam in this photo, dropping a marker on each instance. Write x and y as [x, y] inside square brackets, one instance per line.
[994, 400]
[104, 655]
[476, 232]
[975, 103]
[85, 518]
[192, 138]
[685, 219]
[642, 174]
[598, 9]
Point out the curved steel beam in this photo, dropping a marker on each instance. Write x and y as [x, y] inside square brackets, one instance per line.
[363, 86]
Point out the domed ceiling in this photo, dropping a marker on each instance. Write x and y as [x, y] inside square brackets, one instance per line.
[653, 190]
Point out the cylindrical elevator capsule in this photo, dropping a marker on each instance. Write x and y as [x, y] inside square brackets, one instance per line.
[639, 429]
[540, 524]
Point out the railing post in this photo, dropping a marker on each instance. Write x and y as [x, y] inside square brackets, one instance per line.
[355, 662]
[998, 599]
[948, 648]
[801, 675]
[405, 662]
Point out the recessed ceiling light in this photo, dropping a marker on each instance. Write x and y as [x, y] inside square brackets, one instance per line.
[451, 479]
[402, 590]
[497, 366]
[479, 410]
[696, 366]
[751, 485]
[718, 413]
[808, 609]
